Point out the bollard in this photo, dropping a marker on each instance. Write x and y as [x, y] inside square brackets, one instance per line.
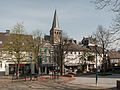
[118, 84]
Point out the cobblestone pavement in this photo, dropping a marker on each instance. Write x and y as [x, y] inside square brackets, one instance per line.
[35, 85]
[48, 84]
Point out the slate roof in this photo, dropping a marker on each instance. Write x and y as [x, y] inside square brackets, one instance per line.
[93, 49]
[4, 36]
[114, 55]
[74, 47]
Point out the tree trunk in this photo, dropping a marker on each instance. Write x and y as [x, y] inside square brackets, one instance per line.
[62, 68]
[18, 73]
[39, 71]
[103, 59]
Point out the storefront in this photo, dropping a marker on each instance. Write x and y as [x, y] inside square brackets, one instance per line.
[24, 69]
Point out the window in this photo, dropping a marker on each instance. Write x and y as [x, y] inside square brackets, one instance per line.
[91, 58]
[74, 52]
[11, 42]
[45, 50]
[49, 51]
[54, 59]
[54, 51]
[71, 52]
[40, 50]
[0, 42]
[45, 59]
[79, 52]
[50, 59]
[23, 44]
[40, 59]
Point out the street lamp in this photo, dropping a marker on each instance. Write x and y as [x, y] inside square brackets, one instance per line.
[96, 66]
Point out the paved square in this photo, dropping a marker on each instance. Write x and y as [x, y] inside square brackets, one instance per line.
[109, 81]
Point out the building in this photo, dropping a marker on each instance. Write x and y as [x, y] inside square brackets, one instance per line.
[47, 58]
[55, 31]
[89, 41]
[8, 63]
[74, 57]
[79, 57]
[114, 60]
[47, 54]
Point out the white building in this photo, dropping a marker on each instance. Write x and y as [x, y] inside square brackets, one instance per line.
[76, 55]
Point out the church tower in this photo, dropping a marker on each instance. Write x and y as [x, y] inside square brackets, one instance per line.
[55, 32]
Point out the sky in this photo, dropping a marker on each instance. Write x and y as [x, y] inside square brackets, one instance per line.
[78, 18]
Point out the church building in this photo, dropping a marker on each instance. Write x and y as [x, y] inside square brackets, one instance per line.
[47, 51]
[55, 32]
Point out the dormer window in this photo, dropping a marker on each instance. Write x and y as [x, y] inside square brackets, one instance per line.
[74, 52]
[11, 42]
[23, 44]
[0, 42]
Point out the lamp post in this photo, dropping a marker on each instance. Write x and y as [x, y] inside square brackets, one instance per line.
[96, 66]
[30, 66]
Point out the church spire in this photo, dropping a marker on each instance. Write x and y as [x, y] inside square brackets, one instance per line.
[55, 24]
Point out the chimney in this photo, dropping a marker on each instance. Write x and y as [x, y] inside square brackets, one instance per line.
[75, 41]
[7, 31]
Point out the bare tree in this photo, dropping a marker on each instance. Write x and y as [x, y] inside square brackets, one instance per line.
[113, 5]
[37, 43]
[17, 46]
[103, 36]
[84, 57]
[61, 51]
